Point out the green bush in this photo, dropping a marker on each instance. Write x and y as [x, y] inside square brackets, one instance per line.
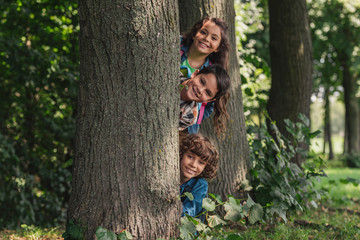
[279, 184]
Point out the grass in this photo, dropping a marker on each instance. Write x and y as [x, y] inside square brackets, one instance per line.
[338, 190]
[32, 233]
[324, 223]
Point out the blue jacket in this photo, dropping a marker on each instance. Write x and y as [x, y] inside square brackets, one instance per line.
[198, 187]
[209, 106]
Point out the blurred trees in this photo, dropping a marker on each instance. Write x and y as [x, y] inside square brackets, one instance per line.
[335, 26]
[39, 68]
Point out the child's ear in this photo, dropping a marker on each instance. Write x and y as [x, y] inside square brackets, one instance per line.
[195, 73]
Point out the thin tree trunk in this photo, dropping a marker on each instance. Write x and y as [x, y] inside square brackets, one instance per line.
[291, 63]
[234, 149]
[126, 167]
[327, 125]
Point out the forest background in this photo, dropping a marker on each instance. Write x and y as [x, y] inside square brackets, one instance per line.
[39, 56]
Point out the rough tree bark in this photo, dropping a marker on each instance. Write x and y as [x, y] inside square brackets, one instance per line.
[234, 149]
[126, 173]
[291, 63]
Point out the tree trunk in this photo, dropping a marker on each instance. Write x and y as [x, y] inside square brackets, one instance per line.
[234, 149]
[291, 63]
[126, 167]
[327, 125]
[352, 114]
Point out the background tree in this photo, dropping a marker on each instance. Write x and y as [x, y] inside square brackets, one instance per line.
[126, 168]
[291, 62]
[234, 150]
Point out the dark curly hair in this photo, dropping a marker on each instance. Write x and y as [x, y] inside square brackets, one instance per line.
[220, 57]
[202, 147]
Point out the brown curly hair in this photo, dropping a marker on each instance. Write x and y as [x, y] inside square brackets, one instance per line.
[220, 57]
[202, 147]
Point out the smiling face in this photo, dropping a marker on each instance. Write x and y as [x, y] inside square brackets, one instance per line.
[208, 38]
[200, 88]
[191, 166]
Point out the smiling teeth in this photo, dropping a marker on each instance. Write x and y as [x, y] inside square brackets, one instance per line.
[203, 44]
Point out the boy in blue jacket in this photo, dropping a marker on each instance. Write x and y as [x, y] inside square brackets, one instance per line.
[198, 160]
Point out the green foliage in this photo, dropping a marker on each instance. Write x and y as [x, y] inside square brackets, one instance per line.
[279, 184]
[236, 212]
[39, 67]
[104, 234]
[335, 33]
[74, 231]
[252, 33]
[352, 160]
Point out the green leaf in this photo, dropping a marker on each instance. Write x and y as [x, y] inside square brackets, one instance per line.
[233, 204]
[208, 204]
[249, 92]
[214, 221]
[201, 227]
[124, 235]
[274, 146]
[234, 237]
[216, 197]
[304, 119]
[313, 203]
[314, 134]
[249, 201]
[189, 195]
[187, 229]
[233, 215]
[245, 185]
[289, 123]
[256, 144]
[256, 213]
[75, 231]
[104, 234]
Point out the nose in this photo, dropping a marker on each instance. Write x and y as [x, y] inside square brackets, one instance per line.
[201, 90]
[193, 164]
[207, 38]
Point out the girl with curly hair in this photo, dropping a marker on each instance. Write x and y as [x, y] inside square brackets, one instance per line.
[198, 161]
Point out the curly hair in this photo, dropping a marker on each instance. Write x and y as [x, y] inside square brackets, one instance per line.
[220, 57]
[202, 147]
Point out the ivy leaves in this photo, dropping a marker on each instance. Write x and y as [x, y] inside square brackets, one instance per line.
[236, 212]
